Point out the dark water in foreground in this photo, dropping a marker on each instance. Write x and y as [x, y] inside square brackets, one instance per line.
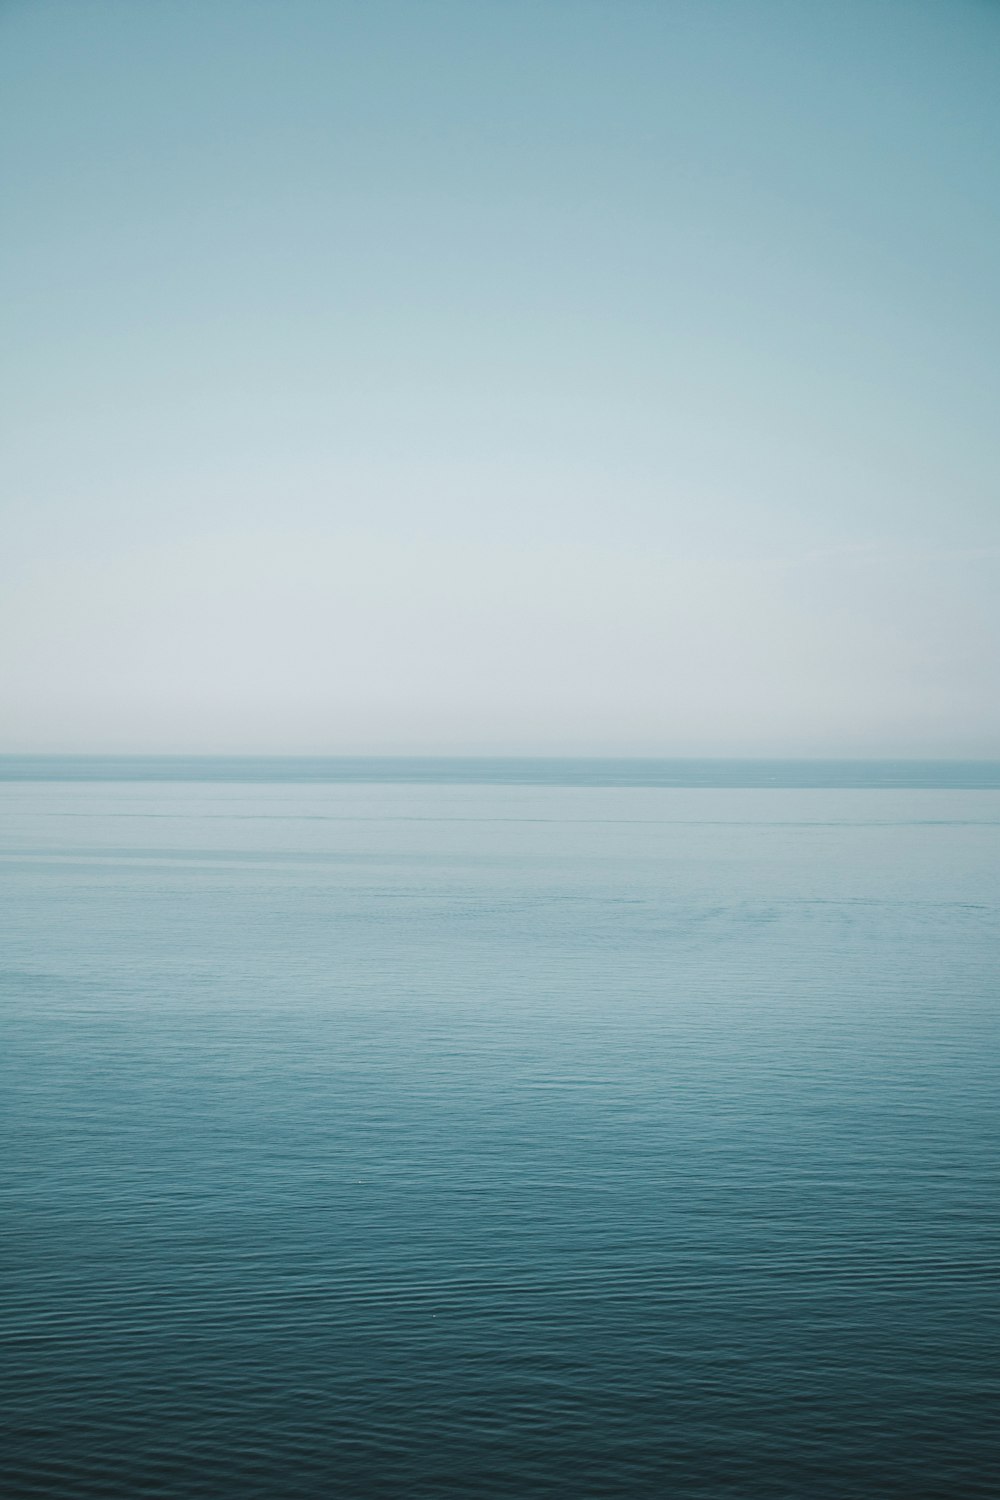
[458, 1139]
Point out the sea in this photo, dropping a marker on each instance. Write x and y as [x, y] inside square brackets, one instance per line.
[500, 1128]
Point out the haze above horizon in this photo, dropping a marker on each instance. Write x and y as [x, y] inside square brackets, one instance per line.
[606, 379]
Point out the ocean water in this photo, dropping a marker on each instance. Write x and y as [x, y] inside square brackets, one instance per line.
[500, 1129]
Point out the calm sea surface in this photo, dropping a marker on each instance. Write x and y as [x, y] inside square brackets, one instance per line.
[469, 1129]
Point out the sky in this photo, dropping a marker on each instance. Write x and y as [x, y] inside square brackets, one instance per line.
[501, 376]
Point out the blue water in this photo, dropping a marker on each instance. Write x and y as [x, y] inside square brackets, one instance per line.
[979, 775]
[528, 1129]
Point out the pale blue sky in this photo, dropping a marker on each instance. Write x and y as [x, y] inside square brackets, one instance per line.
[528, 375]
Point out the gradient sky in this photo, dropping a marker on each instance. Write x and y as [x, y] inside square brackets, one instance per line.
[501, 375]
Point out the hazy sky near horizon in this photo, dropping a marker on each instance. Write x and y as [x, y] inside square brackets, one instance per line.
[501, 375]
